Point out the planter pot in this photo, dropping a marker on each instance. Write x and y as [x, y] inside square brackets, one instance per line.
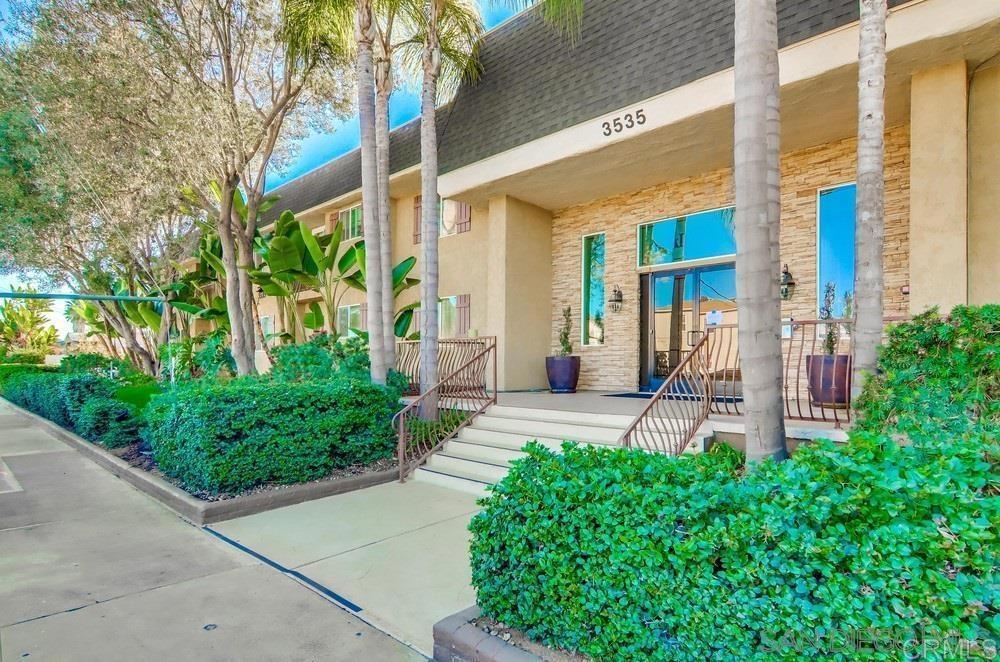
[563, 373]
[829, 379]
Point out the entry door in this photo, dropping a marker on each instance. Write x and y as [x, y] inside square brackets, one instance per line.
[679, 305]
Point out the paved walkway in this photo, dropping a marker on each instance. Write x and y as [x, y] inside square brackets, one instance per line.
[91, 569]
[399, 552]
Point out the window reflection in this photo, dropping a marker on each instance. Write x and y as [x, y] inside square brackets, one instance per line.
[593, 289]
[835, 254]
[692, 237]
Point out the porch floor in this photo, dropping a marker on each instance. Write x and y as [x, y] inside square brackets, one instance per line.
[599, 402]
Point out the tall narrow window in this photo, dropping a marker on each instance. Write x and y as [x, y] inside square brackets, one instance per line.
[353, 222]
[349, 318]
[593, 290]
[835, 248]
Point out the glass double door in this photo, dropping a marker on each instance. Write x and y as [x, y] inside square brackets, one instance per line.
[677, 306]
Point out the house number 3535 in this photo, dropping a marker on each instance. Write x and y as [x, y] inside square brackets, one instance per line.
[624, 123]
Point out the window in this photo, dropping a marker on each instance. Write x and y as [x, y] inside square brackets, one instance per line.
[350, 318]
[835, 247]
[693, 237]
[593, 290]
[353, 221]
[454, 316]
[267, 328]
[454, 218]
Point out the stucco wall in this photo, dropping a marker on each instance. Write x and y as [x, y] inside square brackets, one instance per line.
[984, 186]
[615, 365]
[939, 187]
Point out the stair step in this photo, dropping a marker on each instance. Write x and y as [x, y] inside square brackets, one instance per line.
[516, 440]
[481, 452]
[618, 421]
[567, 431]
[451, 482]
[483, 472]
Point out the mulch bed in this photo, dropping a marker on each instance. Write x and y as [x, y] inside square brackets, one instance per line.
[518, 639]
[140, 456]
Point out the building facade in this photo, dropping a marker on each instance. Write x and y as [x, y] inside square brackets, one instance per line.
[596, 175]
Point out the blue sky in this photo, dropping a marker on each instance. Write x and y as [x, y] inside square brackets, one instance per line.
[318, 148]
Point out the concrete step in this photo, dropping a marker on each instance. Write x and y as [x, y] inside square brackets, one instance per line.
[558, 430]
[475, 487]
[481, 452]
[619, 421]
[514, 440]
[484, 472]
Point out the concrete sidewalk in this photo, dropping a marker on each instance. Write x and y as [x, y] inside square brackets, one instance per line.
[398, 551]
[91, 569]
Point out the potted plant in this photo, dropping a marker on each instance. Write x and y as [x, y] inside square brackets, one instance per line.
[564, 370]
[829, 374]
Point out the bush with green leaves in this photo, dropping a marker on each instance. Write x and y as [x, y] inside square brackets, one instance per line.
[249, 431]
[23, 358]
[109, 422]
[94, 362]
[80, 387]
[7, 371]
[40, 392]
[938, 377]
[626, 555]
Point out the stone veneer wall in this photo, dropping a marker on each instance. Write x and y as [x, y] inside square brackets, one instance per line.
[615, 365]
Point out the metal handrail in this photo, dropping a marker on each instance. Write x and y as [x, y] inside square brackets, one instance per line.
[678, 408]
[444, 410]
[453, 353]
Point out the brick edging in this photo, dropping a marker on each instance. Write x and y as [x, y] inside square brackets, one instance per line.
[195, 510]
[457, 639]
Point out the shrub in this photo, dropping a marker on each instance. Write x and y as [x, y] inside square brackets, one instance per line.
[937, 375]
[81, 387]
[40, 392]
[629, 555]
[93, 362]
[229, 437]
[7, 371]
[138, 396]
[109, 422]
[24, 358]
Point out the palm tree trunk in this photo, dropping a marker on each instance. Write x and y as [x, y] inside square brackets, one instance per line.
[429, 221]
[369, 189]
[383, 92]
[757, 186]
[869, 280]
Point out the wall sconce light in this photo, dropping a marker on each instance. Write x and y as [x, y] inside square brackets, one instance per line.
[787, 284]
[260, 293]
[615, 300]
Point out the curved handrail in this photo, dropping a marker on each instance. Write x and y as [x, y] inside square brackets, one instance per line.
[443, 410]
[678, 408]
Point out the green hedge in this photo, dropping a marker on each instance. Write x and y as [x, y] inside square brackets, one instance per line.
[627, 555]
[937, 375]
[23, 358]
[229, 437]
[7, 371]
[40, 392]
[109, 422]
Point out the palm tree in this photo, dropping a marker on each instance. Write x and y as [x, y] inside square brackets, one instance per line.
[320, 25]
[390, 17]
[869, 278]
[449, 32]
[756, 178]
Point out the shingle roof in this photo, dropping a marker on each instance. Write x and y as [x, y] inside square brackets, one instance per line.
[536, 82]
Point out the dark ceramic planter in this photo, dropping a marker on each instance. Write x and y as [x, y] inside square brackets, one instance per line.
[829, 379]
[563, 372]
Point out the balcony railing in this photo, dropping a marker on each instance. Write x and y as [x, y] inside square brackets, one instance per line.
[452, 354]
[817, 360]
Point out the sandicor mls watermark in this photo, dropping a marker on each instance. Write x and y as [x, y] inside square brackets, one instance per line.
[906, 643]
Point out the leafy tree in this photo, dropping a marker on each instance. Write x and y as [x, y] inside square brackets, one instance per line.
[24, 327]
